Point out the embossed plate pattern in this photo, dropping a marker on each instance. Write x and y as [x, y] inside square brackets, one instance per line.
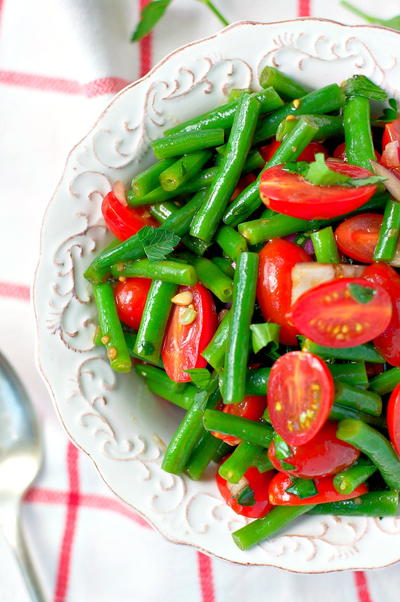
[113, 417]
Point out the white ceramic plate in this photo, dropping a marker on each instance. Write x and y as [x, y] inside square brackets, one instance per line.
[113, 417]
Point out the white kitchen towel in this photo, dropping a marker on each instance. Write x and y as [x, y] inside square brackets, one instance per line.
[60, 63]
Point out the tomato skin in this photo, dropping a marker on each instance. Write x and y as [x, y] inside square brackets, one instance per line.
[124, 221]
[252, 408]
[308, 154]
[130, 299]
[259, 483]
[300, 396]
[324, 455]
[388, 343]
[391, 132]
[291, 194]
[357, 236]
[393, 418]
[183, 343]
[274, 287]
[340, 153]
[243, 183]
[329, 315]
[278, 496]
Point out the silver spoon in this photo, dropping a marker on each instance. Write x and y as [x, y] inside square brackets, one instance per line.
[20, 460]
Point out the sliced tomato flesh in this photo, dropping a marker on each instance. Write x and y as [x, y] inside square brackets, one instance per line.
[183, 343]
[124, 221]
[308, 154]
[343, 312]
[279, 496]
[300, 396]
[393, 418]
[256, 484]
[289, 193]
[252, 407]
[357, 236]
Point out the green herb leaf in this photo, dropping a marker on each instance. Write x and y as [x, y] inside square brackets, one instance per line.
[200, 377]
[357, 182]
[359, 85]
[246, 497]
[319, 174]
[286, 465]
[149, 17]
[362, 294]
[299, 167]
[263, 335]
[303, 488]
[282, 449]
[157, 242]
[390, 113]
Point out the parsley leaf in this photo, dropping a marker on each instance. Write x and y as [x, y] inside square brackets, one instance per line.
[362, 294]
[200, 377]
[319, 174]
[246, 497]
[157, 242]
[263, 335]
[303, 488]
[282, 449]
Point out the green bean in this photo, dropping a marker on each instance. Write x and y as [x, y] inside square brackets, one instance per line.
[358, 399]
[238, 343]
[159, 376]
[278, 225]
[257, 381]
[325, 246]
[183, 143]
[188, 433]
[328, 125]
[283, 84]
[354, 374]
[167, 271]
[209, 215]
[263, 463]
[374, 445]
[100, 267]
[236, 93]
[162, 211]
[195, 245]
[215, 351]
[263, 528]
[325, 100]
[341, 412]
[249, 200]
[359, 353]
[389, 233]
[231, 243]
[111, 329]
[254, 161]
[97, 336]
[223, 117]
[130, 339]
[357, 131]
[243, 456]
[202, 455]
[385, 382]
[183, 169]
[349, 479]
[179, 221]
[374, 503]
[258, 433]
[212, 277]
[154, 320]
[147, 180]
[182, 399]
[224, 265]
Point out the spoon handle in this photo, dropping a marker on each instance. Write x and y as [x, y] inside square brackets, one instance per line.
[14, 535]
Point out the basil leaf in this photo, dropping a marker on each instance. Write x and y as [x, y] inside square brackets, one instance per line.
[149, 17]
[199, 377]
[303, 488]
[359, 85]
[357, 182]
[263, 335]
[282, 449]
[157, 242]
[319, 174]
[299, 167]
[362, 294]
[246, 497]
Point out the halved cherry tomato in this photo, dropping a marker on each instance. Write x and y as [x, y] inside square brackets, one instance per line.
[323, 456]
[258, 482]
[308, 153]
[278, 496]
[340, 153]
[274, 287]
[124, 221]
[291, 194]
[357, 236]
[300, 396]
[130, 299]
[391, 132]
[391, 147]
[252, 408]
[388, 343]
[244, 181]
[343, 312]
[183, 343]
[393, 418]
